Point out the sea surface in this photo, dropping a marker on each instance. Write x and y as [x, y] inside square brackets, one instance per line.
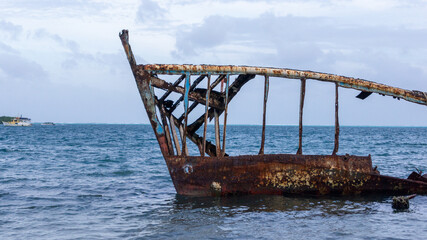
[94, 181]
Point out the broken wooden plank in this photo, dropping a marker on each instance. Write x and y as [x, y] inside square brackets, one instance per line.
[174, 135]
[194, 96]
[217, 134]
[176, 83]
[240, 81]
[183, 136]
[165, 126]
[362, 95]
[195, 83]
[194, 104]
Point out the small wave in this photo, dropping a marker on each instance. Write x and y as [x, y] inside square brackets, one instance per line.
[30, 207]
[43, 207]
[11, 180]
[123, 173]
[96, 174]
[4, 194]
[383, 154]
[7, 150]
[90, 196]
[107, 158]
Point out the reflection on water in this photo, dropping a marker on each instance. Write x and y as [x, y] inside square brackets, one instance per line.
[276, 203]
[276, 217]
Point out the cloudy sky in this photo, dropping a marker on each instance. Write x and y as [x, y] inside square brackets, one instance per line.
[62, 60]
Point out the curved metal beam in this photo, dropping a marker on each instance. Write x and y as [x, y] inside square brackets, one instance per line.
[342, 81]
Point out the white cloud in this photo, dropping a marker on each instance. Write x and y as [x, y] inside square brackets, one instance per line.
[306, 42]
[48, 8]
[75, 46]
[10, 29]
[15, 67]
[149, 11]
[7, 48]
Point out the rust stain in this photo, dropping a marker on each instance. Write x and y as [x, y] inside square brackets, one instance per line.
[346, 82]
[221, 174]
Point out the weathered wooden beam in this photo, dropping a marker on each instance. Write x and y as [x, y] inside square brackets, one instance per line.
[337, 124]
[195, 138]
[166, 126]
[183, 136]
[240, 81]
[124, 37]
[218, 80]
[266, 87]
[301, 107]
[194, 104]
[195, 83]
[190, 109]
[363, 95]
[195, 96]
[346, 82]
[176, 83]
[210, 148]
[143, 83]
[174, 135]
[217, 135]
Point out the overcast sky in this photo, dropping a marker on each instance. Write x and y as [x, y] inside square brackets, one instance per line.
[62, 60]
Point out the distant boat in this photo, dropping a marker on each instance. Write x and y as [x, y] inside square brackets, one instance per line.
[18, 122]
[48, 124]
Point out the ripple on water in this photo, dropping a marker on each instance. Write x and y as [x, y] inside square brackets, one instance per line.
[110, 181]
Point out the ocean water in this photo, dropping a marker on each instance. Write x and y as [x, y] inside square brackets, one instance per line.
[81, 181]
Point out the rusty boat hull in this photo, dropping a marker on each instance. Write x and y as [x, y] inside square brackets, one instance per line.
[284, 174]
[214, 172]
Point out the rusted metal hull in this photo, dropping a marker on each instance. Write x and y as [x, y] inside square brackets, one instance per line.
[284, 174]
[220, 174]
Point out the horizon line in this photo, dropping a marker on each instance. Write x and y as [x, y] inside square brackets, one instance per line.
[233, 124]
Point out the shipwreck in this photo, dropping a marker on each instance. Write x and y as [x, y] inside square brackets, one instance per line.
[213, 172]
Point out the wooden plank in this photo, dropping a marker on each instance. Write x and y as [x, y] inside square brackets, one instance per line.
[234, 89]
[194, 96]
[176, 83]
[217, 135]
[166, 127]
[210, 148]
[184, 143]
[191, 88]
[174, 135]
[194, 104]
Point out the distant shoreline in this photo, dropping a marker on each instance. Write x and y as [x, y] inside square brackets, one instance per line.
[248, 125]
[8, 118]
